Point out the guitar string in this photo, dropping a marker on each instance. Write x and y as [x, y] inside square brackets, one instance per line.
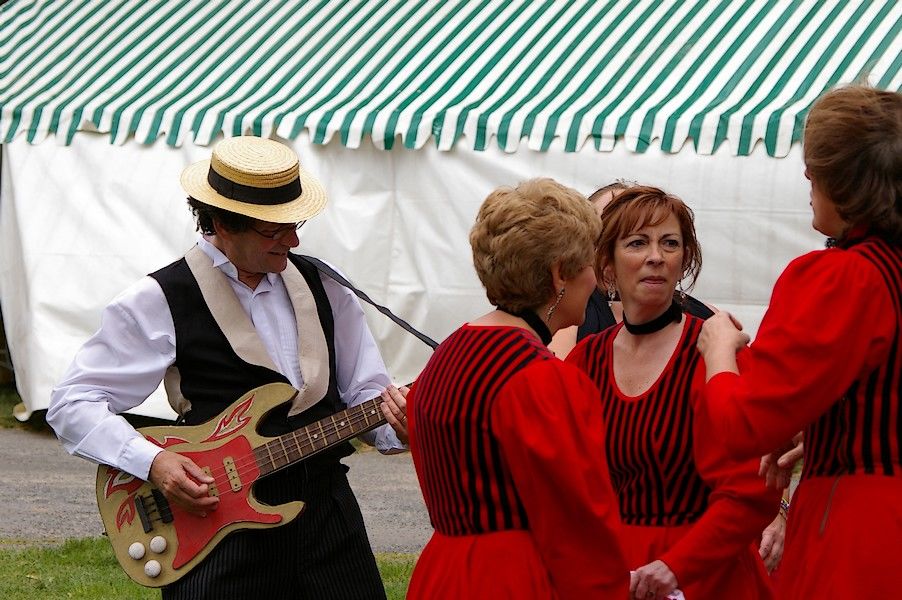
[241, 462]
[280, 455]
[220, 476]
[294, 441]
[224, 484]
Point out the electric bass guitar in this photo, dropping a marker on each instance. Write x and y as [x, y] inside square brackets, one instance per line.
[157, 542]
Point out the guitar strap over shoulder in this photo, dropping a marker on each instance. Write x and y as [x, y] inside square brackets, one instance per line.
[333, 274]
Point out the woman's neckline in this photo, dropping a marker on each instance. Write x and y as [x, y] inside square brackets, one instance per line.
[684, 328]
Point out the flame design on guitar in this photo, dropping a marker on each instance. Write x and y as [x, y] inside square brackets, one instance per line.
[233, 421]
[157, 543]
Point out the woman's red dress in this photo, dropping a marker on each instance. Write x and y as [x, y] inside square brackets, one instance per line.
[507, 443]
[828, 359]
[681, 499]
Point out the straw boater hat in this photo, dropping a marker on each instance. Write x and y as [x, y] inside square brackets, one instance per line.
[257, 178]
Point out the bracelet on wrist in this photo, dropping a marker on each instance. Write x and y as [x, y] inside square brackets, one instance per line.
[784, 508]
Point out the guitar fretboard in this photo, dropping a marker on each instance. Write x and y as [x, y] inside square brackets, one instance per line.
[302, 443]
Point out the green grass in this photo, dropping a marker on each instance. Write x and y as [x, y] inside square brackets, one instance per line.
[87, 569]
[395, 569]
[8, 400]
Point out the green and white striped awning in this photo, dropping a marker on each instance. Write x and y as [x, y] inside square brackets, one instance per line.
[477, 73]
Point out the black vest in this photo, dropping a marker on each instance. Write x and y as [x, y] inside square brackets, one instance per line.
[213, 375]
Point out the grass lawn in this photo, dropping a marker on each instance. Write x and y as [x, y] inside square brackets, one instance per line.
[87, 569]
[8, 400]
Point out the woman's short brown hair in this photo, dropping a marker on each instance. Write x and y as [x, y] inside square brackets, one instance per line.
[642, 205]
[853, 150]
[521, 232]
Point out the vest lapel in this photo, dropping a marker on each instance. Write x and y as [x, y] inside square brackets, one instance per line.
[227, 310]
[313, 353]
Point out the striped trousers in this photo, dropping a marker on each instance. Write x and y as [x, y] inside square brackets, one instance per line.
[324, 553]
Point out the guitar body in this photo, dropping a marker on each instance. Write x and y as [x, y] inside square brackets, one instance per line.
[156, 542]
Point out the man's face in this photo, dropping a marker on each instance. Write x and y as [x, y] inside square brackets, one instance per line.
[261, 249]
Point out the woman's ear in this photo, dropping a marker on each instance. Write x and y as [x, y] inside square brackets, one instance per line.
[220, 230]
[557, 281]
[606, 276]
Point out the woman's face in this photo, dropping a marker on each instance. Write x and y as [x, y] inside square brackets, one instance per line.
[824, 219]
[648, 263]
[576, 297]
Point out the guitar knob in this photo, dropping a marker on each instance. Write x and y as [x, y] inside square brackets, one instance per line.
[158, 544]
[152, 568]
[136, 550]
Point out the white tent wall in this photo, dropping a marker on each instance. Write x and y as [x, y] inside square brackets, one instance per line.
[80, 223]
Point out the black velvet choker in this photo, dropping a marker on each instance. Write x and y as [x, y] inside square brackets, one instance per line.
[674, 314]
[534, 321]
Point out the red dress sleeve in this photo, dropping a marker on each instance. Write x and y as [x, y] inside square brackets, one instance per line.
[548, 422]
[830, 316]
[739, 506]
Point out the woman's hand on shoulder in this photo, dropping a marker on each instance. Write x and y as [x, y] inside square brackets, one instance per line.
[720, 332]
[721, 337]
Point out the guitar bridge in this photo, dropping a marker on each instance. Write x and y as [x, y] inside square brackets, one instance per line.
[148, 505]
[162, 506]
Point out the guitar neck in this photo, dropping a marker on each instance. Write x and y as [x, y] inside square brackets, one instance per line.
[302, 443]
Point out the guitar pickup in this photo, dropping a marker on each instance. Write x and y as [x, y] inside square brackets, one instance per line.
[232, 471]
[214, 491]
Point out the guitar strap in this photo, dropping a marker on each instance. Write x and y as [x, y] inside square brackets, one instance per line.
[333, 274]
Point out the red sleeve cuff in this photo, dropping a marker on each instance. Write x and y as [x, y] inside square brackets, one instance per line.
[679, 566]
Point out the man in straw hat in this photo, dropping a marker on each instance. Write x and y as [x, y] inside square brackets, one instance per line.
[240, 311]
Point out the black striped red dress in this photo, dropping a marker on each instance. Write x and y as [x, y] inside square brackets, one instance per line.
[507, 443]
[828, 359]
[681, 500]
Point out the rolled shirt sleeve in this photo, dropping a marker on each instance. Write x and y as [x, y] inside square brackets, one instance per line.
[116, 370]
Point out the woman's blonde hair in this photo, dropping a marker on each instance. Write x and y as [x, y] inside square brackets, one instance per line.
[853, 150]
[521, 232]
[639, 206]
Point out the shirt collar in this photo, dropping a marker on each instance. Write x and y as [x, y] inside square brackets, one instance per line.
[221, 261]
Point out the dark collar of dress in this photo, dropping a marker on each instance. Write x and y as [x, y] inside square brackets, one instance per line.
[673, 314]
[533, 320]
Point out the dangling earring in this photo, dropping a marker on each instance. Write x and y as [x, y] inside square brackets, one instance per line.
[554, 306]
[682, 293]
[612, 294]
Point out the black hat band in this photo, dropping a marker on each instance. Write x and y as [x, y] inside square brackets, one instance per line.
[254, 195]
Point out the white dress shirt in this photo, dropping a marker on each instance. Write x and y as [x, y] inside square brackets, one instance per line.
[124, 362]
